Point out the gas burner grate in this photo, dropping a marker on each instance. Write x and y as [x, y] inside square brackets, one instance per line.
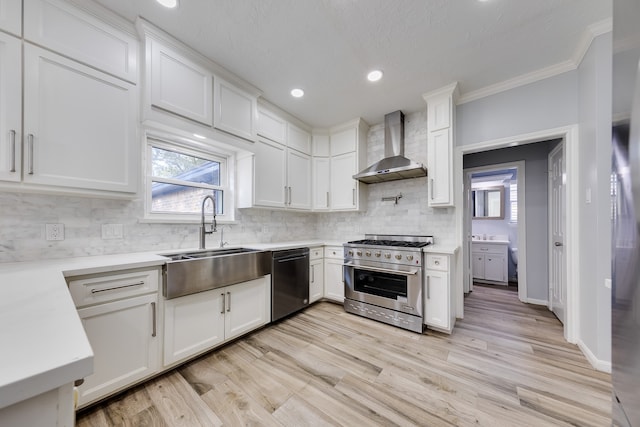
[397, 243]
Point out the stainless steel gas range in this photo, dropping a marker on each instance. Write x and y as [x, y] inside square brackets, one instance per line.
[383, 279]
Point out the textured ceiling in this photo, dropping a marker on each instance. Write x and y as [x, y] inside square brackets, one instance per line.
[327, 47]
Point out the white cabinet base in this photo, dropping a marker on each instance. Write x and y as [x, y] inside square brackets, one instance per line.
[439, 292]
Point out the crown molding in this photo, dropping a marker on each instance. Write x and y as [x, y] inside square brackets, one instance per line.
[591, 32]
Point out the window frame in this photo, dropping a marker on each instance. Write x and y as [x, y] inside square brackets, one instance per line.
[205, 151]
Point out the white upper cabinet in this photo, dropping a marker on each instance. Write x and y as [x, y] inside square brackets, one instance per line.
[269, 174]
[321, 183]
[179, 85]
[440, 142]
[71, 140]
[64, 28]
[343, 188]
[235, 110]
[344, 141]
[10, 108]
[298, 139]
[299, 180]
[320, 144]
[11, 16]
[271, 126]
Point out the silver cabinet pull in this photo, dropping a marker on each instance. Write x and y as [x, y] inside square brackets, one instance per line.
[95, 291]
[222, 295]
[327, 199]
[557, 244]
[30, 147]
[13, 150]
[229, 303]
[353, 196]
[155, 323]
[286, 196]
[313, 274]
[431, 188]
[289, 196]
[428, 296]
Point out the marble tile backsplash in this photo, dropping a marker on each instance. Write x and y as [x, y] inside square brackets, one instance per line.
[23, 217]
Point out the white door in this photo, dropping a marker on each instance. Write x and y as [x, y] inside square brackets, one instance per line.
[468, 259]
[299, 179]
[557, 263]
[436, 299]
[321, 183]
[477, 265]
[10, 108]
[494, 268]
[343, 186]
[334, 280]
[248, 306]
[124, 343]
[270, 174]
[316, 280]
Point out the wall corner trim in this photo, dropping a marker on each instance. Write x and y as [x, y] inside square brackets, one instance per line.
[600, 365]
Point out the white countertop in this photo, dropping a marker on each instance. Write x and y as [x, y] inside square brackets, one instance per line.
[441, 249]
[491, 242]
[43, 342]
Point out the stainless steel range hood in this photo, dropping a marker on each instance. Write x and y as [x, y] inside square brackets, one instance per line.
[394, 165]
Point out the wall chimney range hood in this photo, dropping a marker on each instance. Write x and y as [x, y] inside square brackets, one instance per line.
[394, 166]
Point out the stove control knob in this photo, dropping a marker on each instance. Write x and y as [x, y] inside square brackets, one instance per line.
[387, 255]
[368, 253]
[409, 257]
[359, 253]
[377, 254]
[398, 257]
[350, 253]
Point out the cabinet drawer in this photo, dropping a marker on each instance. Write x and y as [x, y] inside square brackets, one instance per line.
[437, 262]
[334, 252]
[487, 248]
[316, 253]
[94, 289]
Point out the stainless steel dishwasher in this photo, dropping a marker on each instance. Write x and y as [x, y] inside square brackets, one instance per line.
[289, 282]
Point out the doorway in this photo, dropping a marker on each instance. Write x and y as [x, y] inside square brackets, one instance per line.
[569, 137]
[506, 225]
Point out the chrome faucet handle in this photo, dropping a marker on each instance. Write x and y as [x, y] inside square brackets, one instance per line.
[222, 242]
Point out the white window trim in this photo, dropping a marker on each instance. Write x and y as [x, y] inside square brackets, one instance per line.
[227, 177]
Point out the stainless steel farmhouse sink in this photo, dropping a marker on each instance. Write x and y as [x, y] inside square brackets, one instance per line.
[196, 271]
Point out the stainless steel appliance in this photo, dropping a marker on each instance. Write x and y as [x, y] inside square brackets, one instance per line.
[289, 282]
[383, 277]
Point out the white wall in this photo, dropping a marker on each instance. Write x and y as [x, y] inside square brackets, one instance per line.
[595, 167]
[545, 104]
[536, 205]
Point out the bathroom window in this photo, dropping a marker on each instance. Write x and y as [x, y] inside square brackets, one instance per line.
[513, 200]
[178, 179]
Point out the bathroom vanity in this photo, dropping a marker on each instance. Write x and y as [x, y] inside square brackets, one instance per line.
[490, 261]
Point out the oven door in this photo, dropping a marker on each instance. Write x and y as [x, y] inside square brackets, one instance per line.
[394, 287]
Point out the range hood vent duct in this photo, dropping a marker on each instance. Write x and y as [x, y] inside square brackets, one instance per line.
[394, 166]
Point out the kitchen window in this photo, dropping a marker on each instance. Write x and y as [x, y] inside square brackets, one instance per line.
[178, 179]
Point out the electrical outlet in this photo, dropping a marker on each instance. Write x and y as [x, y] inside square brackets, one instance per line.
[54, 231]
[112, 231]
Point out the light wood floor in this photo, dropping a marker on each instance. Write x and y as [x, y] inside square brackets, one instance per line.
[506, 364]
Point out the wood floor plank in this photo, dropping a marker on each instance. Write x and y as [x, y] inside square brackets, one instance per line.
[505, 364]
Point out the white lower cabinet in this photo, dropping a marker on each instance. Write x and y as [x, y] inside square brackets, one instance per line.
[119, 313]
[333, 273]
[489, 262]
[198, 322]
[316, 274]
[439, 310]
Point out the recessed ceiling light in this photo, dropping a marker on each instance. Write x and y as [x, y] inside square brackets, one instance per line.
[374, 75]
[197, 135]
[168, 3]
[297, 93]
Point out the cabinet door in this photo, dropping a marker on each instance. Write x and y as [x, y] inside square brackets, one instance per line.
[344, 141]
[321, 183]
[494, 266]
[124, 342]
[299, 180]
[271, 126]
[478, 265]
[316, 280]
[299, 139]
[343, 186]
[10, 108]
[248, 306]
[321, 145]
[193, 323]
[334, 280]
[439, 164]
[179, 85]
[11, 16]
[436, 299]
[235, 110]
[80, 125]
[269, 174]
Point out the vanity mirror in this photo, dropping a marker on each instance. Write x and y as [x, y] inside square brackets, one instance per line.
[488, 203]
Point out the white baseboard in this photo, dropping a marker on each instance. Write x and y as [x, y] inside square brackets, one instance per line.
[537, 301]
[600, 365]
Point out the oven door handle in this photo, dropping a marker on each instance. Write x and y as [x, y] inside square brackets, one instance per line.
[383, 270]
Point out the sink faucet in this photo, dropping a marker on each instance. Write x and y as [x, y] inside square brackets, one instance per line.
[203, 227]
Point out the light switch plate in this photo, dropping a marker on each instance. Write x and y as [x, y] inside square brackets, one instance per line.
[54, 231]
